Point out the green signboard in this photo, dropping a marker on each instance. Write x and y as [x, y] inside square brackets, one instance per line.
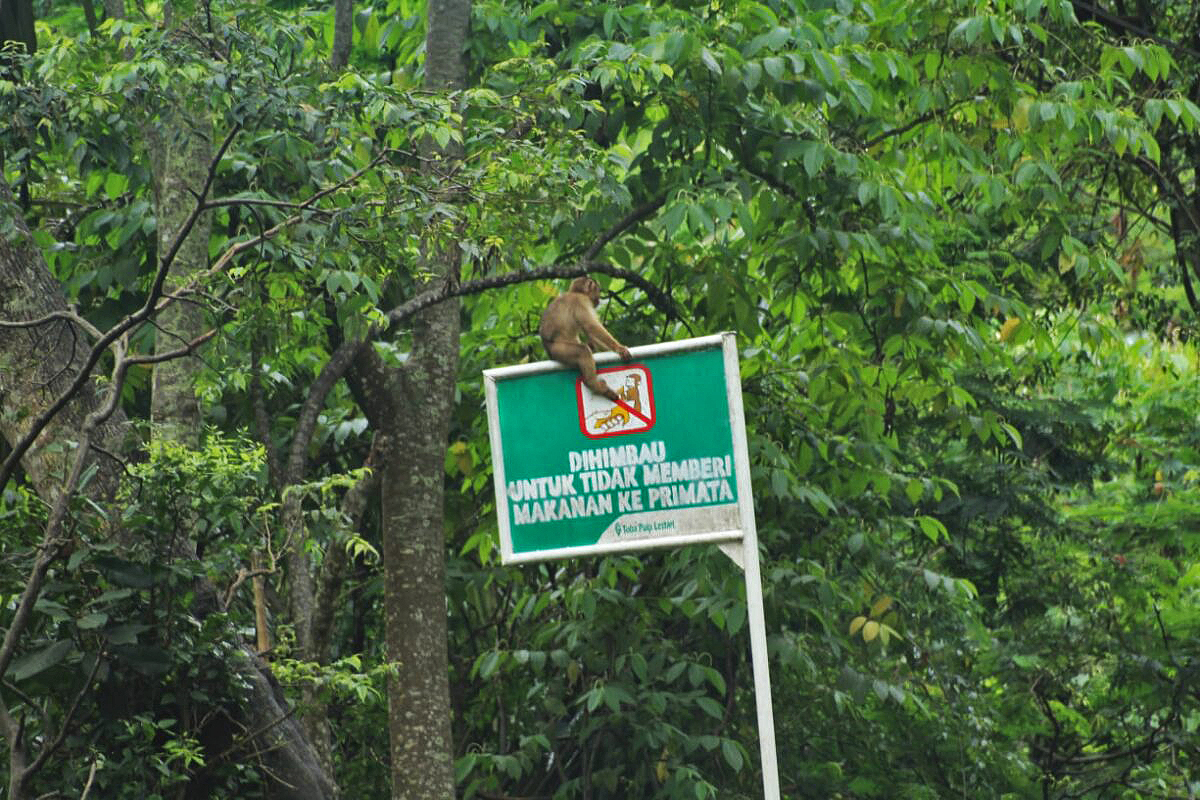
[577, 473]
[666, 464]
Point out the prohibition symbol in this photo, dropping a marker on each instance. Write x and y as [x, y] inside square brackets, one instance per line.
[600, 417]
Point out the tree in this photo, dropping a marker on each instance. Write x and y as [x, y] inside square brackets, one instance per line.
[65, 366]
[410, 408]
[941, 236]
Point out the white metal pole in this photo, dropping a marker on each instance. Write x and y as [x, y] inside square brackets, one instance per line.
[762, 673]
[754, 598]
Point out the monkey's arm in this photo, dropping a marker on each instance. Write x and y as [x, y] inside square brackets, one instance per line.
[577, 354]
[596, 331]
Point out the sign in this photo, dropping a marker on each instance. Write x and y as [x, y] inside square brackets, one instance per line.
[665, 464]
[577, 473]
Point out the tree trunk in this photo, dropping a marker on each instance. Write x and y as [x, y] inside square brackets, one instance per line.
[39, 363]
[181, 150]
[410, 409]
[343, 33]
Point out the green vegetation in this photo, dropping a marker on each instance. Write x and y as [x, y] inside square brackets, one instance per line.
[957, 241]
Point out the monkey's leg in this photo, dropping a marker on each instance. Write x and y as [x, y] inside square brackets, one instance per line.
[587, 368]
[577, 355]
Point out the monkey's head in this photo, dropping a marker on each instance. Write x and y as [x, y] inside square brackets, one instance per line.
[586, 286]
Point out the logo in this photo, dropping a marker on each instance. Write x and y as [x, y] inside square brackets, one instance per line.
[600, 417]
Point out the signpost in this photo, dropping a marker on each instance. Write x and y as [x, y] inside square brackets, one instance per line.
[577, 474]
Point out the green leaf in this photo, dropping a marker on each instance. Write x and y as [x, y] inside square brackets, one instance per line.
[90, 622]
[125, 573]
[732, 754]
[863, 94]
[112, 595]
[933, 60]
[751, 75]
[866, 190]
[672, 218]
[711, 707]
[889, 201]
[933, 528]
[700, 219]
[614, 696]
[30, 664]
[735, 618]
[77, 558]
[147, 659]
[125, 634]
[1013, 434]
[674, 671]
[114, 185]
[814, 157]
[489, 663]
[779, 483]
[93, 184]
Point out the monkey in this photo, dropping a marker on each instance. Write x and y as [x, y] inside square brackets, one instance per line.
[571, 313]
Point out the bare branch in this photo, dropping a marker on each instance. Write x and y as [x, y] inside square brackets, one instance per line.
[243, 575]
[187, 349]
[156, 301]
[628, 221]
[87, 787]
[54, 316]
[54, 539]
[65, 727]
[914, 122]
[347, 351]
[223, 262]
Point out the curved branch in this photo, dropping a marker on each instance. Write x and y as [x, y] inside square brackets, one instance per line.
[348, 351]
[402, 312]
[625, 223]
[54, 316]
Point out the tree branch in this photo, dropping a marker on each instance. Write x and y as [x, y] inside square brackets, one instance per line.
[628, 221]
[345, 354]
[65, 728]
[912, 123]
[54, 316]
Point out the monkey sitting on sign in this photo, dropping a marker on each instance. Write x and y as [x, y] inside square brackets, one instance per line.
[571, 313]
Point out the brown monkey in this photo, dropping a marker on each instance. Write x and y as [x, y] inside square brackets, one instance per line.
[571, 313]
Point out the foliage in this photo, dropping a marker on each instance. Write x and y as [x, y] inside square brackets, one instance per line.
[951, 239]
[125, 647]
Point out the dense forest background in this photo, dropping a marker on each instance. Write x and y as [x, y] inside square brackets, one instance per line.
[255, 255]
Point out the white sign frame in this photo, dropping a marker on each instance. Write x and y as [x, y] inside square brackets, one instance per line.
[745, 556]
